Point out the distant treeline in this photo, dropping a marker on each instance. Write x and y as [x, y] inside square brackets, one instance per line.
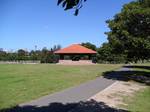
[44, 56]
[105, 54]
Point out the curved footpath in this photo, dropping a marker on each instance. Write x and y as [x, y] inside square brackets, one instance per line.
[75, 94]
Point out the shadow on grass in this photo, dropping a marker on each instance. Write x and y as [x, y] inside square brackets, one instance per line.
[141, 76]
[88, 106]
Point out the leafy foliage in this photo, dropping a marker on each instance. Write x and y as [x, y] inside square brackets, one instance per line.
[72, 4]
[48, 56]
[21, 54]
[89, 45]
[107, 55]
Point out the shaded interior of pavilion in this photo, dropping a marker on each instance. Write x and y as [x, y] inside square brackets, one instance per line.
[76, 57]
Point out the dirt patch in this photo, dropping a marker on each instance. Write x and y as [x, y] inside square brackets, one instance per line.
[114, 95]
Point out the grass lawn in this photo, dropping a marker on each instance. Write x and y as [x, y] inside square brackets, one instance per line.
[140, 102]
[24, 82]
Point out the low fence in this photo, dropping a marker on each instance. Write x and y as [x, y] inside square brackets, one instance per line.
[20, 62]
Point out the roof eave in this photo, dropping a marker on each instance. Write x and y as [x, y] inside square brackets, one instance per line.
[73, 53]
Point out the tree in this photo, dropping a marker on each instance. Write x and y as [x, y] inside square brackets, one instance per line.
[12, 56]
[72, 4]
[44, 53]
[3, 55]
[130, 31]
[89, 45]
[56, 47]
[106, 54]
[48, 56]
[33, 55]
[21, 54]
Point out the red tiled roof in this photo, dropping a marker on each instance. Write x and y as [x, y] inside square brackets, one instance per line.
[75, 49]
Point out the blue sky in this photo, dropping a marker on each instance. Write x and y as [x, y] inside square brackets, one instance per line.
[26, 23]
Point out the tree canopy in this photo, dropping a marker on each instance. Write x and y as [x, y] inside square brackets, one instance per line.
[89, 45]
[130, 31]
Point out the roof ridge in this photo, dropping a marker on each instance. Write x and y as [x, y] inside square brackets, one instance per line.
[76, 48]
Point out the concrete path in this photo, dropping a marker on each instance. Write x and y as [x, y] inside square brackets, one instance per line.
[74, 94]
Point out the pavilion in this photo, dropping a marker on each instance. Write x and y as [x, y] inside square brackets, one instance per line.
[75, 52]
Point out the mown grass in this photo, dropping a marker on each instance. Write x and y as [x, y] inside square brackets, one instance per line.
[23, 82]
[140, 102]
